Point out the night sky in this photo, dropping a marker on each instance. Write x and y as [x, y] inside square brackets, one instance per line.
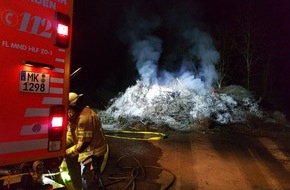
[102, 31]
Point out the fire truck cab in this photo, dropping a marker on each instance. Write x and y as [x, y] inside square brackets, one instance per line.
[35, 51]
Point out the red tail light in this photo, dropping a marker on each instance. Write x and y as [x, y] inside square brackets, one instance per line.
[56, 127]
[62, 30]
[56, 122]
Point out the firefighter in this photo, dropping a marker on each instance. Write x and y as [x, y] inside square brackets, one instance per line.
[85, 139]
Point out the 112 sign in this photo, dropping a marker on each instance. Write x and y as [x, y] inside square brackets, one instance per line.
[32, 24]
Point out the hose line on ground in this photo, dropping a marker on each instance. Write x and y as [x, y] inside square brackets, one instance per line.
[137, 172]
[135, 135]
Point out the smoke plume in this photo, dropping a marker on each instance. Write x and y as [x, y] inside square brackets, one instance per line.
[175, 58]
[195, 56]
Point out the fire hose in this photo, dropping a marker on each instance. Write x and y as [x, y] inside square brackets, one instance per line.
[135, 135]
[138, 171]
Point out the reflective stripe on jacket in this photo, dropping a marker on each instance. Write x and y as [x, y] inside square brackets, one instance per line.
[86, 130]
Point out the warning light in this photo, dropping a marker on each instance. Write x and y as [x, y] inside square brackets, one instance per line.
[62, 30]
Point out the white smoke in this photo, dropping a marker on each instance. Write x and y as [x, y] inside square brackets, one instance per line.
[173, 97]
[204, 49]
[147, 53]
[197, 67]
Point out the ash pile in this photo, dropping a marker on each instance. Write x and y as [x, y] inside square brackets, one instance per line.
[179, 108]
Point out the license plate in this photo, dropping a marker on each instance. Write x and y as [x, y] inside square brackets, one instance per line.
[34, 82]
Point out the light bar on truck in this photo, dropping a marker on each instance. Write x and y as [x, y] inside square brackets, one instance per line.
[61, 37]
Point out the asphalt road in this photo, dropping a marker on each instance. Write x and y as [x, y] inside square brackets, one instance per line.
[226, 161]
[240, 158]
[209, 160]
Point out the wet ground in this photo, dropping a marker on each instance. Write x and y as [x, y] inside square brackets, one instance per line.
[236, 157]
[239, 158]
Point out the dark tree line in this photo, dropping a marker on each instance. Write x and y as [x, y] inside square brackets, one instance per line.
[245, 50]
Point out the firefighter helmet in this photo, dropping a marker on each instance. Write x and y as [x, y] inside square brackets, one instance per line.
[73, 97]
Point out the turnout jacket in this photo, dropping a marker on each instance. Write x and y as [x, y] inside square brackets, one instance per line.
[85, 136]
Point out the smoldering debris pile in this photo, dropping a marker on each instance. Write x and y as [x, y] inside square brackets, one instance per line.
[177, 107]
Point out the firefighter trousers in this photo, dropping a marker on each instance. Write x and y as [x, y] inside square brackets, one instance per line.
[91, 175]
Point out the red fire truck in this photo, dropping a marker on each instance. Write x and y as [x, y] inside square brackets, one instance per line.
[35, 50]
